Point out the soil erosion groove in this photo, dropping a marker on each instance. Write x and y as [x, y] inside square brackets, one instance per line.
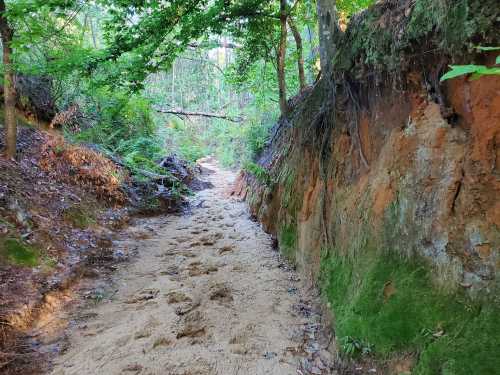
[207, 294]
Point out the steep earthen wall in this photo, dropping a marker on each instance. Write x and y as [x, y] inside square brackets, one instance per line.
[383, 185]
[396, 161]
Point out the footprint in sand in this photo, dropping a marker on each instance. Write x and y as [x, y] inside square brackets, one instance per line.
[193, 325]
[134, 368]
[177, 297]
[187, 307]
[210, 240]
[143, 295]
[226, 249]
[161, 341]
[239, 343]
[197, 269]
[221, 292]
[170, 271]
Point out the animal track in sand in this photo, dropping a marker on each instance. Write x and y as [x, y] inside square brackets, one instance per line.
[133, 368]
[211, 239]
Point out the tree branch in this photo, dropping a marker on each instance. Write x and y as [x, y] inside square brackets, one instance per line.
[215, 44]
[180, 112]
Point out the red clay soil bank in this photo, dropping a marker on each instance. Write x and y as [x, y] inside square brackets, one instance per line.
[51, 208]
[379, 154]
[433, 185]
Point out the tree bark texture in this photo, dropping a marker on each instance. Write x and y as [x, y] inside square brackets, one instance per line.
[9, 85]
[281, 59]
[300, 56]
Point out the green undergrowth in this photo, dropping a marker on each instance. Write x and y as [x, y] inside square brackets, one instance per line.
[386, 305]
[120, 125]
[288, 241]
[17, 252]
[446, 27]
[261, 174]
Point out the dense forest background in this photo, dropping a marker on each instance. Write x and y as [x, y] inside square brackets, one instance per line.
[98, 72]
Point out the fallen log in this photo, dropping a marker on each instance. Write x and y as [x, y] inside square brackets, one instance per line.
[180, 112]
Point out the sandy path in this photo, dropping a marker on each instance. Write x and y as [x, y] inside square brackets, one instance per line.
[207, 294]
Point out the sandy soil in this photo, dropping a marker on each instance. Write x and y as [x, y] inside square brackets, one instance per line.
[206, 294]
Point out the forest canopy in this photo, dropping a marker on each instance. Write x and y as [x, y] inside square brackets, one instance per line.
[112, 67]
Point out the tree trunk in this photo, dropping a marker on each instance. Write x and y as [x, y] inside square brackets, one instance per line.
[172, 86]
[281, 59]
[9, 90]
[300, 57]
[328, 27]
[93, 32]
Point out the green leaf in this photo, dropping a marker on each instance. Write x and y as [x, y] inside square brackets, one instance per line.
[489, 71]
[481, 48]
[484, 72]
[497, 61]
[460, 70]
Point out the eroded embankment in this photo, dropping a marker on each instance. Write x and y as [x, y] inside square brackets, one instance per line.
[61, 205]
[383, 184]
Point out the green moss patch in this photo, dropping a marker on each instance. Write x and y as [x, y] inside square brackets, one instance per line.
[389, 305]
[288, 241]
[79, 216]
[19, 253]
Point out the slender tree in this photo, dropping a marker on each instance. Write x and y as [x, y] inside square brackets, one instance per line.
[281, 58]
[9, 90]
[300, 55]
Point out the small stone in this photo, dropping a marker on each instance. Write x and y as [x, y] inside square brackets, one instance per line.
[270, 355]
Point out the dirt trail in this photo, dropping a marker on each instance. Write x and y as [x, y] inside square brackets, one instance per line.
[207, 294]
